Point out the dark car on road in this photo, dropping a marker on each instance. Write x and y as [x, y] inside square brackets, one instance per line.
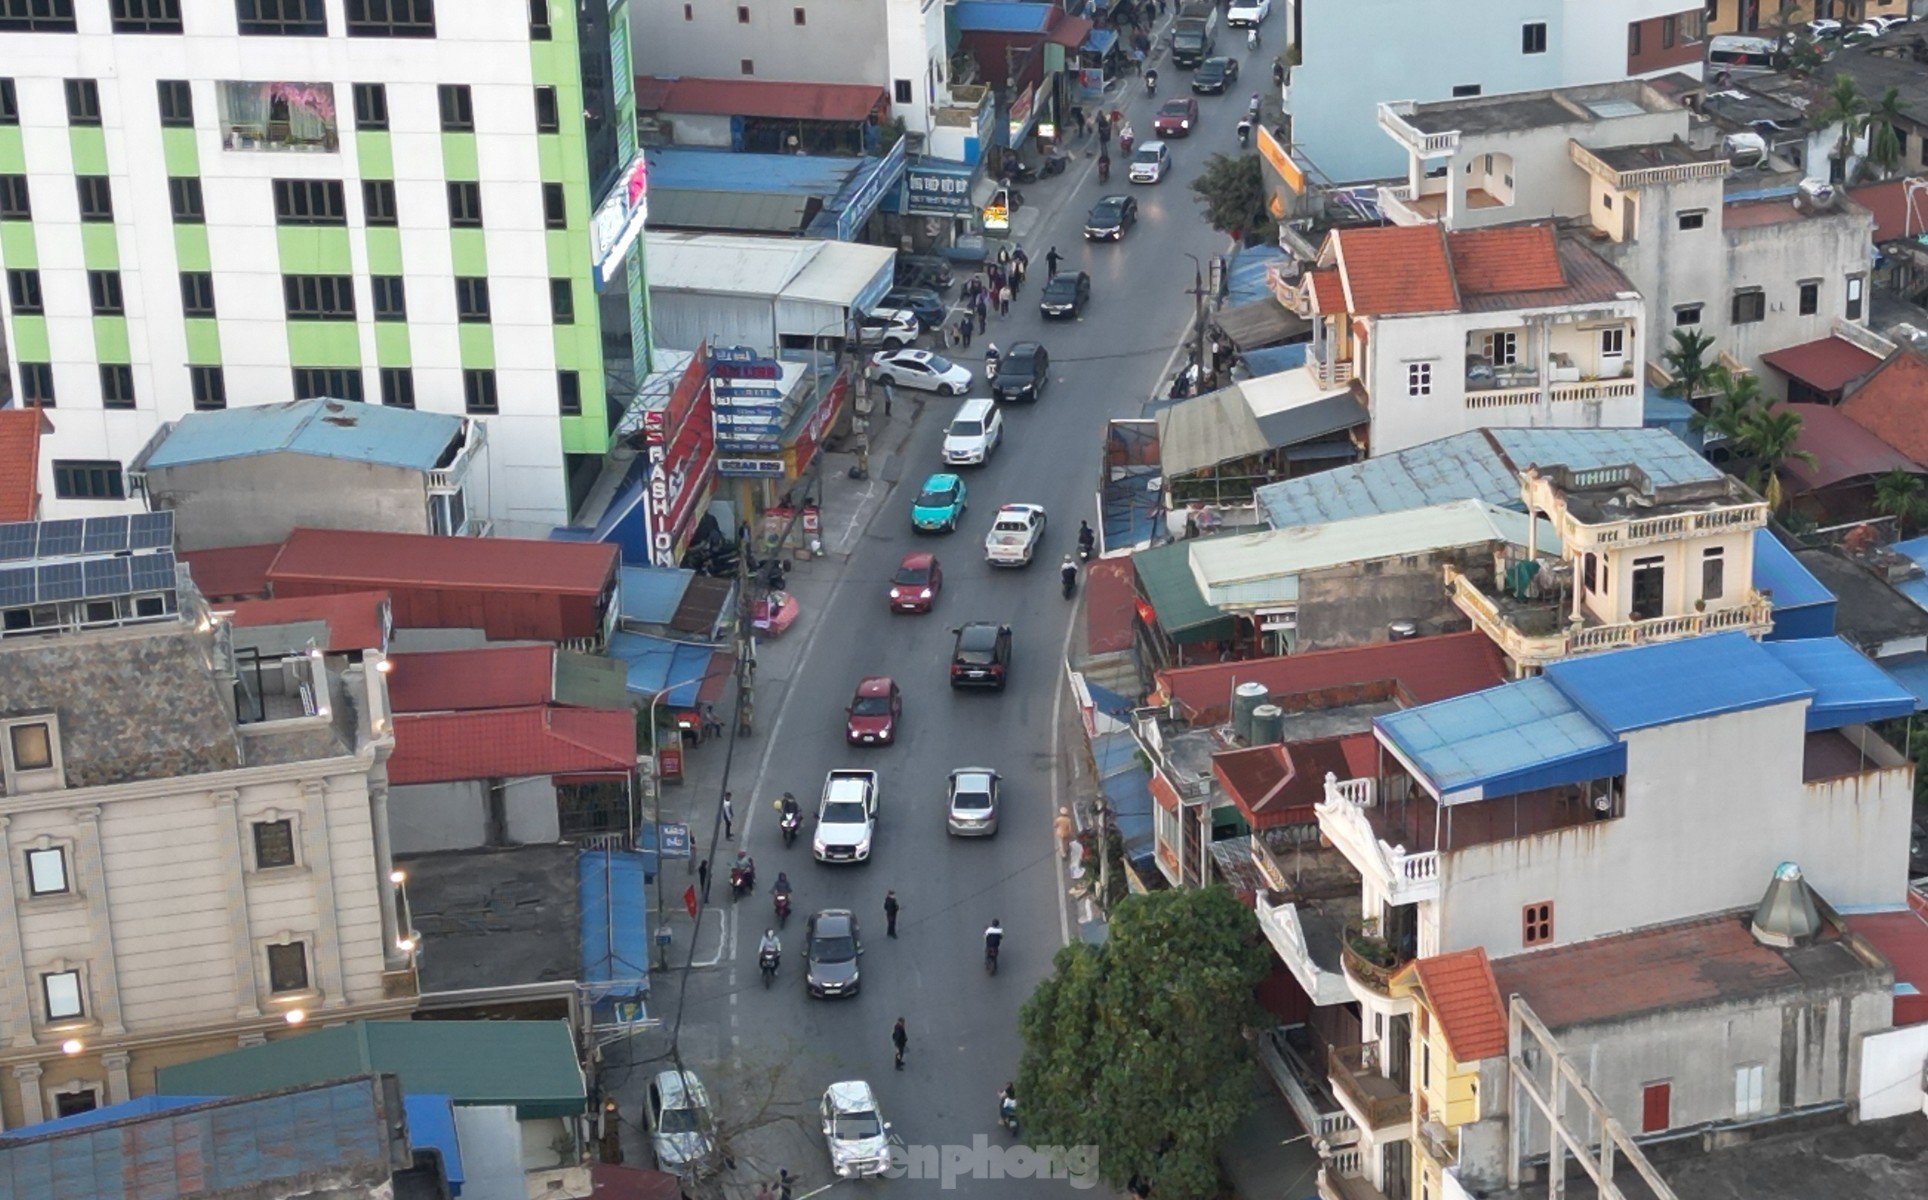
[1022, 372]
[928, 305]
[1214, 75]
[1110, 218]
[982, 655]
[830, 948]
[1176, 117]
[1065, 296]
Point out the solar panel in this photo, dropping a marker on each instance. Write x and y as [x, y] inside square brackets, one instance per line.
[60, 581]
[16, 587]
[153, 572]
[18, 540]
[151, 531]
[60, 538]
[106, 577]
[104, 535]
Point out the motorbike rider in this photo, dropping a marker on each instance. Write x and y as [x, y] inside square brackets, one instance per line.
[1125, 139]
[1151, 81]
[782, 886]
[990, 360]
[770, 949]
[1068, 573]
[1007, 1104]
[1086, 538]
[743, 871]
[1104, 167]
[1252, 39]
[993, 938]
[788, 807]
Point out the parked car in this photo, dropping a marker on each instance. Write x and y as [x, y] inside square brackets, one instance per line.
[922, 370]
[831, 946]
[1214, 75]
[680, 1125]
[871, 719]
[846, 816]
[1016, 533]
[1066, 295]
[855, 1130]
[972, 809]
[981, 656]
[1023, 373]
[1110, 218]
[925, 271]
[939, 504]
[890, 328]
[1176, 117]
[927, 304]
[914, 588]
[1246, 13]
[976, 430]
[1149, 162]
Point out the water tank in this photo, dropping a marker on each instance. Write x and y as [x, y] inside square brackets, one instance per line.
[1401, 631]
[1268, 725]
[1246, 697]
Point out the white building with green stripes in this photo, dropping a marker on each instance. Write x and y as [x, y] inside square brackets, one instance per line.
[226, 202]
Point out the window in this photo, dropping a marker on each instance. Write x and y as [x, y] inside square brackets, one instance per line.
[902, 91]
[398, 387]
[1425, 1065]
[146, 16]
[1750, 1084]
[1419, 379]
[288, 968]
[458, 108]
[539, 30]
[391, 299]
[371, 106]
[97, 197]
[472, 299]
[281, 18]
[478, 392]
[9, 103]
[548, 119]
[36, 16]
[465, 205]
[46, 869]
[1854, 297]
[1533, 37]
[60, 990]
[88, 479]
[562, 301]
[1669, 31]
[1686, 314]
[116, 385]
[1502, 349]
[1613, 344]
[37, 384]
[555, 211]
[569, 393]
[177, 103]
[209, 387]
[309, 202]
[319, 297]
[1713, 574]
[274, 844]
[333, 383]
[197, 294]
[1536, 923]
[746, 66]
[742, 14]
[184, 198]
[14, 202]
[83, 102]
[1692, 218]
[78, 1100]
[104, 292]
[1589, 564]
[378, 201]
[23, 292]
[1750, 305]
[1466, 89]
[689, 12]
[30, 747]
[1810, 297]
[391, 18]
[797, 17]
[1633, 39]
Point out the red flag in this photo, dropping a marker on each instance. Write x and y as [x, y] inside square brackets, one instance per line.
[689, 901]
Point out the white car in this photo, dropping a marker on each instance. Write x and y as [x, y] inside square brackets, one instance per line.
[920, 369]
[1016, 533]
[973, 433]
[846, 817]
[680, 1127]
[1822, 27]
[1247, 13]
[855, 1130]
[891, 328]
[1149, 162]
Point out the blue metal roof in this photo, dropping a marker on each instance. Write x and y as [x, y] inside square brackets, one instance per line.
[1126, 785]
[1671, 413]
[1911, 672]
[1791, 584]
[1001, 16]
[1245, 274]
[344, 429]
[1098, 41]
[1514, 738]
[1684, 680]
[614, 910]
[656, 663]
[698, 169]
[651, 594]
[1270, 360]
[1915, 589]
[1482, 464]
[1848, 688]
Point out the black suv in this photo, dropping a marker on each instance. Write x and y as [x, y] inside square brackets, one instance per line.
[1066, 295]
[1023, 372]
[982, 656]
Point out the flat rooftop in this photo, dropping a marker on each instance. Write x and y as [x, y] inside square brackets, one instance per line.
[1624, 502]
[1537, 110]
[495, 918]
[1868, 611]
[1653, 154]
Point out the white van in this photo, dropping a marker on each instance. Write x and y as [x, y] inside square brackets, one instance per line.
[1739, 56]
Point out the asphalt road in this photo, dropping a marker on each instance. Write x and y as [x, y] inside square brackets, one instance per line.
[961, 1023]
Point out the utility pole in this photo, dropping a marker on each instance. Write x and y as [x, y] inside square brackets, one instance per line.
[1198, 324]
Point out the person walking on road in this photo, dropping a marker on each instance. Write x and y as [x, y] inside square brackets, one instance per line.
[703, 877]
[1017, 275]
[964, 326]
[899, 1039]
[983, 313]
[1051, 261]
[1003, 256]
[888, 397]
[890, 914]
[1065, 828]
[1004, 301]
[729, 819]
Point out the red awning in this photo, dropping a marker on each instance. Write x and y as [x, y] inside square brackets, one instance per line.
[761, 98]
[1827, 365]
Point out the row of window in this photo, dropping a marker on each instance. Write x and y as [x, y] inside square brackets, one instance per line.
[63, 993]
[1749, 304]
[261, 18]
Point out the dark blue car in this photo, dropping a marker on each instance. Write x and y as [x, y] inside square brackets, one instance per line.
[928, 305]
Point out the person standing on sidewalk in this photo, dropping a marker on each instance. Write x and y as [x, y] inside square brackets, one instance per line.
[964, 327]
[899, 1039]
[729, 819]
[890, 914]
[1065, 828]
[983, 313]
[1004, 301]
[703, 877]
[888, 397]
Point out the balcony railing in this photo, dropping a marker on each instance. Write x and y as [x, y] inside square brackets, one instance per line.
[1375, 976]
[1279, 919]
[1315, 1110]
[1354, 1072]
[1558, 393]
[1439, 1143]
[1330, 374]
[1406, 878]
[1392, 119]
[1507, 397]
[1593, 389]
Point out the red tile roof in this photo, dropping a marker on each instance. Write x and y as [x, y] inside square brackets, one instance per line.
[355, 620]
[1890, 202]
[1902, 939]
[1110, 606]
[20, 430]
[1519, 258]
[1887, 403]
[1395, 269]
[761, 98]
[1328, 291]
[425, 560]
[471, 680]
[511, 743]
[1827, 365]
[232, 572]
[1279, 785]
[1840, 449]
[1426, 669]
[1163, 792]
[1466, 1001]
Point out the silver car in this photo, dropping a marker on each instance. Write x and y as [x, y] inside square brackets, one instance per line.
[680, 1126]
[974, 802]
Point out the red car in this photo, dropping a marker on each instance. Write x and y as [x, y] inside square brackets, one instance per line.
[871, 719]
[914, 588]
[1176, 117]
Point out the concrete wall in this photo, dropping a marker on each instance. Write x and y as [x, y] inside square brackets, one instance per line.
[1731, 781]
[249, 501]
[685, 320]
[1352, 605]
[1611, 601]
[455, 816]
[1892, 1063]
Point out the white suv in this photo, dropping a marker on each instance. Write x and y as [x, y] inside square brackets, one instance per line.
[973, 433]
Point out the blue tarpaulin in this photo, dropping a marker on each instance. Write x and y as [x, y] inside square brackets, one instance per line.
[656, 663]
[614, 907]
[1001, 16]
[1126, 785]
[1099, 41]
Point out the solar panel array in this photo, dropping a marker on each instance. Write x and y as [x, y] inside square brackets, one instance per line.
[25, 541]
[98, 558]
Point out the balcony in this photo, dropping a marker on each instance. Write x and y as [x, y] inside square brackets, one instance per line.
[1309, 937]
[1311, 1102]
[475, 435]
[1587, 507]
[1392, 119]
[1341, 1178]
[1376, 1101]
[1330, 374]
[1438, 1142]
[1370, 961]
[1405, 878]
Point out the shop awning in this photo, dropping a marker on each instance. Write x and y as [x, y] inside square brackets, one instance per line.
[692, 673]
[1260, 323]
[613, 908]
[1100, 41]
[1165, 577]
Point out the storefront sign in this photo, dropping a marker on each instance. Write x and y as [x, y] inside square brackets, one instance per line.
[618, 220]
[938, 191]
[750, 468]
[1020, 118]
[871, 192]
[1275, 157]
[680, 446]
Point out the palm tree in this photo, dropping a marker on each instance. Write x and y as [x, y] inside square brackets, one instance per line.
[1847, 107]
[1884, 142]
[1769, 435]
[1687, 362]
[1735, 400]
[1898, 494]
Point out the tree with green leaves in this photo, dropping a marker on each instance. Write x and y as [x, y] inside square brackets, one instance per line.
[1688, 363]
[1768, 437]
[1844, 107]
[1137, 1046]
[1735, 399]
[1898, 494]
[1232, 189]
[1884, 138]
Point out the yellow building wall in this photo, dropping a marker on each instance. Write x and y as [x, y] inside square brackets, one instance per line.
[1752, 16]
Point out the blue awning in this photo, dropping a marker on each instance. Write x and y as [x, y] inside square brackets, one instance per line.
[657, 663]
[650, 595]
[1270, 360]
[1100, 41]
[1126, 786]
[614, 905]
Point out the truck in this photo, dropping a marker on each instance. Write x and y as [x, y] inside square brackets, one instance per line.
[846, 816]
[1194, 33]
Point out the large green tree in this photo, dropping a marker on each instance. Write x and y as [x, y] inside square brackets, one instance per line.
[1884, 140]
[1843, 106]
[1138, 1046]
[1686, 360]
[1232, 189]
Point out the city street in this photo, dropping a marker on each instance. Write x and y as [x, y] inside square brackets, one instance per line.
[961, 1023]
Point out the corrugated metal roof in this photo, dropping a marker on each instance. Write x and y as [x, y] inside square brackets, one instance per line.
[1207, 430]
[367, 433]
[426, 560]
[231, 572]
[1516, 738]
[787, 213]
[656, 663]
[1838, 449]
[840, 273]
[1267, 361]
[1848, 688]
[651, 594]
[614, 912]
[696, 168]
[1426, 669]
[512, 743]
[1776, 570]
[349, 620]
[1001, 16]
[470, 680]
[1827, 364]
[1684, 680]
[727, 263]
[1165, 577]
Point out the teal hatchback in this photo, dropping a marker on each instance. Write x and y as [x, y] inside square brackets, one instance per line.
[939, 505]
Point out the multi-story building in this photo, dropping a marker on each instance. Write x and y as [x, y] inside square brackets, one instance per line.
[1355, 56]
[196, 842]
[1752, 16]
[239, 203]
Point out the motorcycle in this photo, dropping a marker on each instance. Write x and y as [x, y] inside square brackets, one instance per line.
[1007, 1114]
[1019, 171]
[767, 961]
[1151, 83]
[1085, 550]
[742, 882]
[1104, 167]
[1125, 141]
[1069, 577]
[990, 958]
[1055, 163]
[781, 901]
[1252, 39]
[1244, 133]
[792, 820]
